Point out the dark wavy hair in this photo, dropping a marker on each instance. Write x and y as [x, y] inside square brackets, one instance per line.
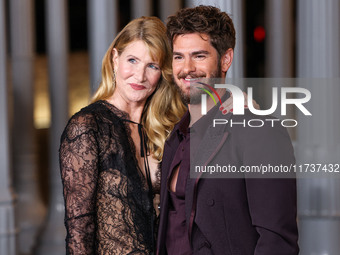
[204, 20]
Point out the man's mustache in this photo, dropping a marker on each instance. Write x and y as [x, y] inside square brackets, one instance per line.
[183, 75]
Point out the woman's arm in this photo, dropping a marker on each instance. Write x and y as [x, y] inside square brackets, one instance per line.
[79, 169]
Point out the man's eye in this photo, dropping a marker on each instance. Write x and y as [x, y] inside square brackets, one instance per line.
[177, 57]
[200, 56]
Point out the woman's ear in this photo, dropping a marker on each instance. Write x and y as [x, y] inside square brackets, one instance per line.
[115, 56]
[226, 60]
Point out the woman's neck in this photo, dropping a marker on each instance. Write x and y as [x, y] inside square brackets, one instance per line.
[134, 109]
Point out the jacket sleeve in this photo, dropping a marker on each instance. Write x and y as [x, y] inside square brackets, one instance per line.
[78, 166]
[272, 201]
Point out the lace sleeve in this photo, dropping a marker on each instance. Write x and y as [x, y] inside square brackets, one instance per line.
[79, 170]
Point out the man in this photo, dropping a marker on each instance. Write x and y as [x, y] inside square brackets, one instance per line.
[221, 215]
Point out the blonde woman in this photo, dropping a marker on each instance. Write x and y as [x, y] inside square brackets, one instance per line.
[110, 150]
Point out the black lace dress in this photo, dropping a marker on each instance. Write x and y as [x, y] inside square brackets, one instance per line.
[108, 206]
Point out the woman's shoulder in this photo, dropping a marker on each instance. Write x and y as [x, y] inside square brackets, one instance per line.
[91, 112]
[84, 121]
[87, 114]
[91, 118]
[92, 109]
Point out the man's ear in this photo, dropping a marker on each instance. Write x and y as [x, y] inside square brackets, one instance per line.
[115, 57]
[226, 60]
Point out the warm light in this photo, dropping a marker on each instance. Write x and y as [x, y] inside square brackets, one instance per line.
[259, 34]
[78, 83]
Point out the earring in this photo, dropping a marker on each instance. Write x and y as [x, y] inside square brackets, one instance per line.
[114, 77]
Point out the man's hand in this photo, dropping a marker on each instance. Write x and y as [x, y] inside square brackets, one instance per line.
[227, 106]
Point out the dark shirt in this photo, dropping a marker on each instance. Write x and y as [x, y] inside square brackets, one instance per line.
[177, 238]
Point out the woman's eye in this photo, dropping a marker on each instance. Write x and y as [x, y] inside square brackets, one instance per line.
[132, 60]
[154, 66]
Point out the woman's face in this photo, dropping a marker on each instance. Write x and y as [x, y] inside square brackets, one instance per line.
[137, 75]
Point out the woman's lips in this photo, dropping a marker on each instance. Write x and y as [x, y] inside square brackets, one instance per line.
[136, 86]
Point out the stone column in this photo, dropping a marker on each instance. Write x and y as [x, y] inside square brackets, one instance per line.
[141, 8]
[168, 8]
[235, 9]
[279, 39]
[30, 210]
[279, 51]
[102, 23]
[318, 137]
[52, 238]
[7, 222]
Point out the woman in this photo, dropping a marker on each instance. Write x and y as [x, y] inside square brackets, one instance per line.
[110, 150]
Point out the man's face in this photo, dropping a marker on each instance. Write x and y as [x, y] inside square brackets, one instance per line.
[194, 59]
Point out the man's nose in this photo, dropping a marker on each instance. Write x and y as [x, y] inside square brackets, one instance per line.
[189, 66]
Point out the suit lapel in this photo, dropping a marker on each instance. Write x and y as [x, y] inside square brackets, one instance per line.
[210, 145]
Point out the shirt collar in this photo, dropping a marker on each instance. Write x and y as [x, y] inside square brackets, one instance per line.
[183, 125]
[201, 125]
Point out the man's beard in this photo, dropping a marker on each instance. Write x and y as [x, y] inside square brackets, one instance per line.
[194, 97]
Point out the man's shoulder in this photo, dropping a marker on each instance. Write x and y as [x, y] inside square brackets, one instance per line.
[251, 124]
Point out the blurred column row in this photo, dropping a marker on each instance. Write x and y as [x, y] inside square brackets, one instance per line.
[8, 230]
[318, 138]
[30, 209]
[52, 237]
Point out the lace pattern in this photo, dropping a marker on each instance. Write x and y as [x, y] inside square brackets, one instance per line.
[108, 210]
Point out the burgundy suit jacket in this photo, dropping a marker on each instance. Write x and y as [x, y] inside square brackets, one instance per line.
[237, 216]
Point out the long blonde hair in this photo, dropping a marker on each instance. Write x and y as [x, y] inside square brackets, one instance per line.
[164, 108]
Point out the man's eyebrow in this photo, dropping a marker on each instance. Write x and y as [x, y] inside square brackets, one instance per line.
[193, 53]
[200, 52]
[177, 53]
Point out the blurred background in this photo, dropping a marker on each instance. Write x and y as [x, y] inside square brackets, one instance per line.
[50, 60]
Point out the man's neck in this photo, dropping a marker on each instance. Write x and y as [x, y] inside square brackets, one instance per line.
[195, 109]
